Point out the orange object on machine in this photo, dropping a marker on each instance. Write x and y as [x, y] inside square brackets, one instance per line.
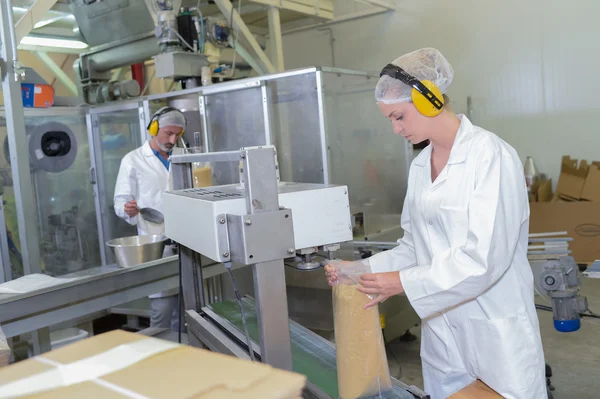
[37, 95]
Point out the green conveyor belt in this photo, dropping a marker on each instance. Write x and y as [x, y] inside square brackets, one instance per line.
[310, 357]
[321, 374]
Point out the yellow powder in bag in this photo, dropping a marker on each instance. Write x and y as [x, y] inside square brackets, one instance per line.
[360, 351]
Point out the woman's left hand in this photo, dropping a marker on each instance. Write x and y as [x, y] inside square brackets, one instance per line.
[384, 285]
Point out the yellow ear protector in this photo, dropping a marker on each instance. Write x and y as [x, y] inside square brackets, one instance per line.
[153, 125]
[425, 95]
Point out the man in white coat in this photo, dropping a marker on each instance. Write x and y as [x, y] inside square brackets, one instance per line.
[462, 262]
[142, 179]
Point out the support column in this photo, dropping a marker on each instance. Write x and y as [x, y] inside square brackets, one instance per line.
[19, 158]
[275, 41]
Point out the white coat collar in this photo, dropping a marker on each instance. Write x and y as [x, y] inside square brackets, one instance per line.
[147, 150]
[460, 147]
[152, 159]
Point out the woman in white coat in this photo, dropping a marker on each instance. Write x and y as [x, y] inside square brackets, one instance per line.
[462, 262]
[142, 179]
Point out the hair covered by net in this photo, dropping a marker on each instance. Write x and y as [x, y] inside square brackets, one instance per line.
[423, 64]
[171, 118]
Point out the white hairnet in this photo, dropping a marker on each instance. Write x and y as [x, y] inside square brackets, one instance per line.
[171, 118]
[423, 64]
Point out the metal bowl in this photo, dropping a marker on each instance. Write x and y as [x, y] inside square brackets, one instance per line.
[131, 251]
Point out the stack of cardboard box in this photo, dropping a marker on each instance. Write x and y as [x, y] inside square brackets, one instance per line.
[574, 207]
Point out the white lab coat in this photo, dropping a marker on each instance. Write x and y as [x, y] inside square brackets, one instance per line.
[463, 265]
[142, 177]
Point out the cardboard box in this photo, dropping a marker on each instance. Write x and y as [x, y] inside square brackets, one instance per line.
[541, 191]
[581, 220]
[476, 390]
[125, 365]
[572, 177]
[591, 186]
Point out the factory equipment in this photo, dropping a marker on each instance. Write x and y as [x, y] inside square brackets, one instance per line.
[561, 281]
[185, 45]
[259, 224]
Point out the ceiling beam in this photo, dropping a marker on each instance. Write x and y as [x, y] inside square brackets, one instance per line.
[292, 27]
[61, 75]
[47, 49]
[314, 11]
[32, 16]
[381, 3]
[254, 49]
[275, 42]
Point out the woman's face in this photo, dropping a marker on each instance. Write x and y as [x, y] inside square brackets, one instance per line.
[406, 121]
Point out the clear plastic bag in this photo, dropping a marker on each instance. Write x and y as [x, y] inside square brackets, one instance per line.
[362, 364]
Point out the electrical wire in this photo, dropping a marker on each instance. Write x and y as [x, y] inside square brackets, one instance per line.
[202, 34]
[549, 309]
[234, 36]
[179, 300]
[243, 313]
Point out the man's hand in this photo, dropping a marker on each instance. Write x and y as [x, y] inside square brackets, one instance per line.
[131, 208]
[381, 285]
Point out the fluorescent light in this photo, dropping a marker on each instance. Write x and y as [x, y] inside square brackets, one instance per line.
[51, 42]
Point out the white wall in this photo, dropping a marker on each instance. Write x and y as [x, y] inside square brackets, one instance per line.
[531, 67]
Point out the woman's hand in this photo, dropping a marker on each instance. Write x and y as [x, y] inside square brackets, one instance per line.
[382, 285]
[331, 272]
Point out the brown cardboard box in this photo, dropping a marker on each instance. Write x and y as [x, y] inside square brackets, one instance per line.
[476, 390]
[541, 191]
[572, 178]
[581, 220]
[591, 187]
[179, 372]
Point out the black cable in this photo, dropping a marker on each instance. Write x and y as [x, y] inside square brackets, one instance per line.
[594, 316]
[180, 302]
[549, 309]
[243, 313]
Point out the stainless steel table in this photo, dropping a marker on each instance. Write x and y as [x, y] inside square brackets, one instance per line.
[94, 290]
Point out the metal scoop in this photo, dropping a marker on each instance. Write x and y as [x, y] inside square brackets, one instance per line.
[152, 215]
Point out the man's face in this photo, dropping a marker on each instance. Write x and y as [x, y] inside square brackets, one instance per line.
[167, 137]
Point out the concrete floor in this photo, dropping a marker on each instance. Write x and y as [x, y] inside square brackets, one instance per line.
[574, 357]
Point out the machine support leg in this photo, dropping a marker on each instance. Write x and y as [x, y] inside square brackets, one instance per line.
[272, 314]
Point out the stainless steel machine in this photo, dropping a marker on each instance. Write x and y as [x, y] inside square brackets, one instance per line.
[321, 121]
[259, 224]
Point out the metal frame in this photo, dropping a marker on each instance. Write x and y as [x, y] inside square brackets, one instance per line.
[269, 277]
[145, 115]
[322, 127]
[100, 188]
[264, 90]
[5, 268]
[89, 121]
[19, 149]
[204, 118]
[112, 286]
